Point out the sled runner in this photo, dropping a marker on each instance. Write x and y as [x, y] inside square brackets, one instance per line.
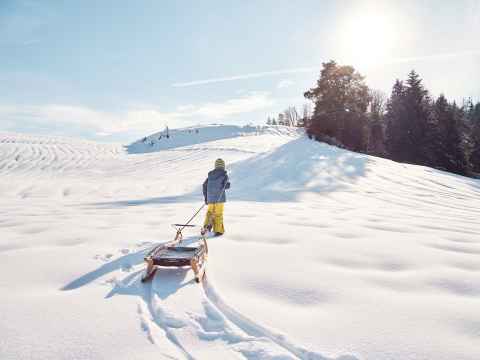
[171, 254]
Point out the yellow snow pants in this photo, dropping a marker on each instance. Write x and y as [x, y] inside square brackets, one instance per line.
[214, 217]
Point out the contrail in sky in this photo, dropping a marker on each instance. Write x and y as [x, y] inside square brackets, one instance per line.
[435, 56]
[311, 69]
[247, 76]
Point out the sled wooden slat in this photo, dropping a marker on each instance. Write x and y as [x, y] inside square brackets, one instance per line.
[168, 255]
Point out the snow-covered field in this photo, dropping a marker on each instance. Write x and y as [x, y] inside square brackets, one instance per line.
[327, 254]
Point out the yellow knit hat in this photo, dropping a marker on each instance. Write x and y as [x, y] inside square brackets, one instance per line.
[219, 163]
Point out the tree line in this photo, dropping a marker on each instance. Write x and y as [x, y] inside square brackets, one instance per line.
[291, 117]
[409, 126]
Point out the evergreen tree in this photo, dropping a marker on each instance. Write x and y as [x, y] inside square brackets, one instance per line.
[474, 117]
[419, 120]
[340, 101]
[450, 152]
[396, 133]
[410, 124]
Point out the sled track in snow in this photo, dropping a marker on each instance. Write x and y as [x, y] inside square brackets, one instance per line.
[254, 329]
[199, 324]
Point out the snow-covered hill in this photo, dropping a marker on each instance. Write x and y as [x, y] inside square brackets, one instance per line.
[169, 139]
[328, 254]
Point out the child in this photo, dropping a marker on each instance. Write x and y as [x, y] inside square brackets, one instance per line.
[214, 193]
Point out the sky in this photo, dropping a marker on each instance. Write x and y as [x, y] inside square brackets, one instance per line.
[118, 70]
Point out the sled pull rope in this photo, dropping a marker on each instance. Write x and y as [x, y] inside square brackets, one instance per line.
[194, 215]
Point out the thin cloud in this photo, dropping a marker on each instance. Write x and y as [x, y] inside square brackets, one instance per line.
[312, 69]
[24, 25]
[246, 104]
[436, 56]
[247, 76]
[76, 120]
[282, 84]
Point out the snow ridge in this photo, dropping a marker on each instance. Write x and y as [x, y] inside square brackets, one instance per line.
[169, 139]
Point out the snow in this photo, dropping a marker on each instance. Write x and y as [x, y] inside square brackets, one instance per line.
[170, 139]
[328, 254]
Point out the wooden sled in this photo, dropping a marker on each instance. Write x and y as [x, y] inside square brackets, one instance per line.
[171, 254]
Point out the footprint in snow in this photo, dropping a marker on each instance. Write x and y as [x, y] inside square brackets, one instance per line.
[127, 267]
[106, 257]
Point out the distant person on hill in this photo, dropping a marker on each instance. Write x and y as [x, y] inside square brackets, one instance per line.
[214, 193]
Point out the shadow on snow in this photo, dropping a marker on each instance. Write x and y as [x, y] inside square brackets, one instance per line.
[172, 278]
[188, 198]
[123, 262]
[297, 167]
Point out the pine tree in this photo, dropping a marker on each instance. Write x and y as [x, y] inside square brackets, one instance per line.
[419, 120]
[450, 152]
[474, 117]
[340, 104]
[410, 124]
[456, 141]
[396, 132]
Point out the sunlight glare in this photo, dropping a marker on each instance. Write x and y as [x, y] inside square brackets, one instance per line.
[367, 38]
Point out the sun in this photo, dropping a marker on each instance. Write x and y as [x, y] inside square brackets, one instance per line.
[367, 38]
